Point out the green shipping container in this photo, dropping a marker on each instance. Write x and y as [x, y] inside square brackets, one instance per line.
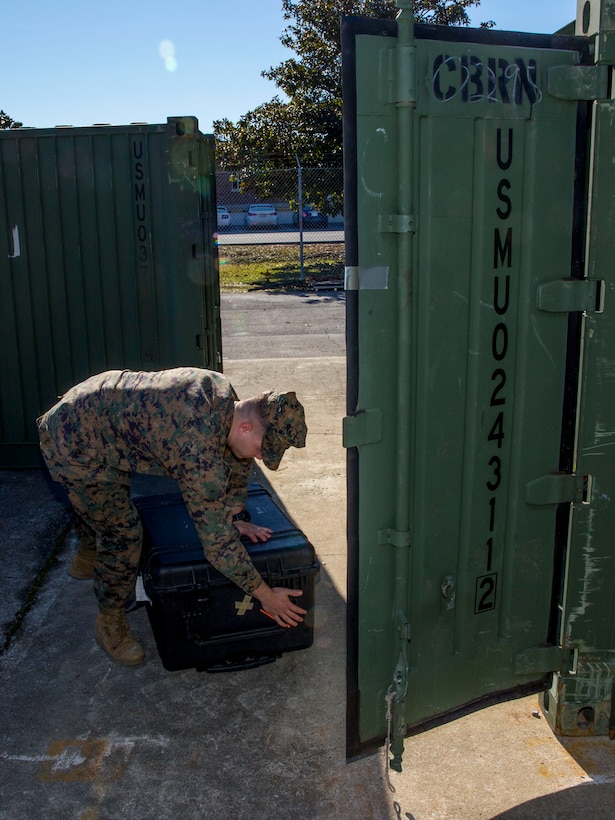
[108, 259]
[479, 200]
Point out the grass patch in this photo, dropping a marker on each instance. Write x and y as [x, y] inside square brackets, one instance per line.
[271, 267]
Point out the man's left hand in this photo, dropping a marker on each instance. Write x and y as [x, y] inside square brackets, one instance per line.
[253, 532]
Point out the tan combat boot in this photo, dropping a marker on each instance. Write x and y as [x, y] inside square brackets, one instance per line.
[114, 636]
[82, 565]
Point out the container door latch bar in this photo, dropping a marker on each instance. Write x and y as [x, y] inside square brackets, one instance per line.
[569, 295]
[540, 659]
[558, 488]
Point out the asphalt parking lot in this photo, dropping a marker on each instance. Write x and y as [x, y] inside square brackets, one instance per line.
[280, 325]
[286, 235]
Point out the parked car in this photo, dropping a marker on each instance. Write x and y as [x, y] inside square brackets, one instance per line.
[261, 216]
[224, 218]
[312, 218]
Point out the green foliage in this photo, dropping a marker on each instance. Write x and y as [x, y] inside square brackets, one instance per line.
[8, 122]
[441, 13]
[314, 77]
[308, 125]
[271, 267]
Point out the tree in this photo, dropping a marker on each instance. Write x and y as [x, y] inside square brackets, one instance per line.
[8, 122]
[309, 123]
[313, 34]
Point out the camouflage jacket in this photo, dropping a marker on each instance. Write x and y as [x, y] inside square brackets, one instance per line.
[173, 422]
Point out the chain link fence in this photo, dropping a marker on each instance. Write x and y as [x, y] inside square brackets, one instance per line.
[307, 199]
[298, 216]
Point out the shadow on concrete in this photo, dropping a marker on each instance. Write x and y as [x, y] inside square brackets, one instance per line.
[595, 800]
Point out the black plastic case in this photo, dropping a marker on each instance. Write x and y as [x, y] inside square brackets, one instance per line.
[199, 617]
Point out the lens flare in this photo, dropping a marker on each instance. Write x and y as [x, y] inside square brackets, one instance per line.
[166, 49]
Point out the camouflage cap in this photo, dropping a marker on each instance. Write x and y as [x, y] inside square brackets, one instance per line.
[285, 427]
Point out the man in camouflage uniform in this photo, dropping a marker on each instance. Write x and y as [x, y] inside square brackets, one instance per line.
[186, 423]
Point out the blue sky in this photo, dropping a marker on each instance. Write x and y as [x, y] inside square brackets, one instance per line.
[77, 62]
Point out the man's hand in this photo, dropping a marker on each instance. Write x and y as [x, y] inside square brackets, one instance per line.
[253, 532]
[277, 604]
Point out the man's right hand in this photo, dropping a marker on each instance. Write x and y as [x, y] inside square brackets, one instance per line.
[276, 602]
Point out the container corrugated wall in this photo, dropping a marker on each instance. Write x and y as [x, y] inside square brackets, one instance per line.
[107, 260]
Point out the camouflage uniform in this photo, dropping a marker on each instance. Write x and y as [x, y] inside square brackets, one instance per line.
[174, 422]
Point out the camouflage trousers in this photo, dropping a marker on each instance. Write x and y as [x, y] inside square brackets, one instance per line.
[107, 519]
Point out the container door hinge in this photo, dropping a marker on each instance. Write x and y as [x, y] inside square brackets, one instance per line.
[397, 223]
[540, 659]
[578, 82]
[605, 41]
[394, 539]
[558, 488]
[396, 698]
[568, 295]
[365, 427]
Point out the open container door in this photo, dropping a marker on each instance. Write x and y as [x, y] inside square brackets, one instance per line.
[465, 166]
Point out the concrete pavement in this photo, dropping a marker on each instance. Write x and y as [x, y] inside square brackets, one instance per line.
[81, 737]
